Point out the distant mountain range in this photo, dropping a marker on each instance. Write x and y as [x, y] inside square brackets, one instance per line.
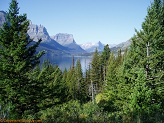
[68, 41]
[90, 47]
[123, 46]
[61, 43]
[53, 44]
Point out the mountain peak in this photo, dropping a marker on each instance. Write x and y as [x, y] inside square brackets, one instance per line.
[68, 41]
[3, 12]
[64, 39]
[2, 18]
[38, 31]
[90, 47]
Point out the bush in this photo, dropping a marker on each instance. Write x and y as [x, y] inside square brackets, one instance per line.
[73, 112]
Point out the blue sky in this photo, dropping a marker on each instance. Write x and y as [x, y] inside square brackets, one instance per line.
[108, 21]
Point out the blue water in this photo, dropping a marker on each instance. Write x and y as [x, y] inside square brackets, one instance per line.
[65, 62]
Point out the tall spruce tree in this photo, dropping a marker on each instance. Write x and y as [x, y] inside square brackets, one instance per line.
[104, 59]
[146, 53]
[79, 79]
[95, 70]
[71, 83]
[87, 80]
[82, 86]
[17, 57]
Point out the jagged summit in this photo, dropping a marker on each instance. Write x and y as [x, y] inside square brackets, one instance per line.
[2, 17]
[90, 47]
[38, 31]
[67, 40]
[64, 38]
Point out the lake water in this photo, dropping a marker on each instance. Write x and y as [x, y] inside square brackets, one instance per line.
[65, 62]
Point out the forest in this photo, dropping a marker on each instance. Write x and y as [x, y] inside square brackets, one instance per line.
[127, 87]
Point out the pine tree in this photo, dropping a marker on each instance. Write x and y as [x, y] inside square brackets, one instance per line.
[82, 86]
[104, 59]
[110, 84]
[52, 93]
[71, 84]
[18, 57]
[87, 80]
[146, 52]
[95, 70]
[79, 79]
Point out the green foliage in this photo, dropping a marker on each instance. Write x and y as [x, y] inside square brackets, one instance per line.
[71, 84]
[95, 70]
[74, 112]
[103, 61]
[139, 81]
[82, 86]
[129, 87]
[18, 57]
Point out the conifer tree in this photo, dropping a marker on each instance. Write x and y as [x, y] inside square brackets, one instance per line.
[18, 57]
[110, 83]
[71, 83]
[95, 70]
[87, 80]
[104, 59]
[146, 52]
[82, 86]
[79, 79]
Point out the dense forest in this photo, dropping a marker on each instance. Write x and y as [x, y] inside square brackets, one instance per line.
[127, 87]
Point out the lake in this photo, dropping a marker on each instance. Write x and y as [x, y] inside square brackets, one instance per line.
[65, 62]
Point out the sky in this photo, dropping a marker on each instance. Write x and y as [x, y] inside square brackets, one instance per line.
[108, 21]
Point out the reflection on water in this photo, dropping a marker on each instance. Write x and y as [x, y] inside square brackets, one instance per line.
[65, 62]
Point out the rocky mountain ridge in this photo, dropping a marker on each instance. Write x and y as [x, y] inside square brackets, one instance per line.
[48, 44]
[90, 47]
[67, 40]
[62, 43]
[2, 18]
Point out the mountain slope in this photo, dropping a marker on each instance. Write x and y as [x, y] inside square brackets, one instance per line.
[68, 41]
[122, 46]
[90, 47]
[2, 18]
[48, 44]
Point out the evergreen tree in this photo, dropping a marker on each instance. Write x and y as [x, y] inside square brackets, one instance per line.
[79, 79]
[104, 59]
[110, 84]
[54, 87]
[87, 80]
[71, 82]
[18, 57]
[146, 52]
[82, 86]
[95, 70]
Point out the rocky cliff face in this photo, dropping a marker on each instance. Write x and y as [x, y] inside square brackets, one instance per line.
[90, 47]
[61, 43]
[64, 38]
[68, 41]
[36, 32]
[123, 46]
[2, 18]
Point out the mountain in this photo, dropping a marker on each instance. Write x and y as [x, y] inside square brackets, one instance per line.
[38, 31]
[122, 46]
[68, 41]
[48, 44]
[90, 47]
[64, 38]
[62, 43]
[2, 18]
